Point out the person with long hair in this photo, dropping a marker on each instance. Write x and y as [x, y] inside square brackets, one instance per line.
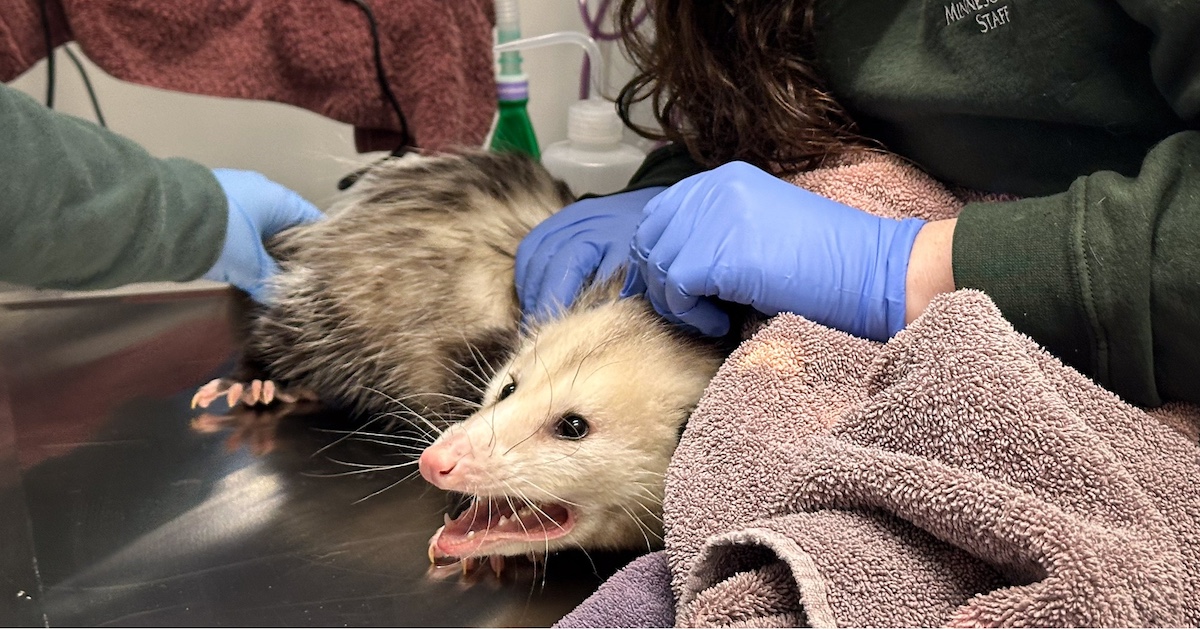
[1086, 112]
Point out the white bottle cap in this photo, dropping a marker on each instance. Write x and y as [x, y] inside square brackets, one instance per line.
[594, 121]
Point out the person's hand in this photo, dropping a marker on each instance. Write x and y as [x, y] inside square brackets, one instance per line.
[740, 235]
[588, 238]
[258, 209]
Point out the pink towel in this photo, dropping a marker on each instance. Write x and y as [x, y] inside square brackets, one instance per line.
[316, 55]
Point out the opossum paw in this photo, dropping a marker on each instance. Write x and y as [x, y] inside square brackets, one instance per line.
[249, 394]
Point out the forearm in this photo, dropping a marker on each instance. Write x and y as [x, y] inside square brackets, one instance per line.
[81, 207]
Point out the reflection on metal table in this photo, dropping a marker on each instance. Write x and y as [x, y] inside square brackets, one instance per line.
[115, 511]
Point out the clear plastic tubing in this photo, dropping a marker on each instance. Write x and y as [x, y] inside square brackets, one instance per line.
[590, 48]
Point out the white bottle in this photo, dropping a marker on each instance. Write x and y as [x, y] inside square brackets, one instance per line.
[593, 159]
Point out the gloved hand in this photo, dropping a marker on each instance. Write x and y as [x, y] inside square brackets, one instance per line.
[586, 238]
[741, 235]
[258, 209]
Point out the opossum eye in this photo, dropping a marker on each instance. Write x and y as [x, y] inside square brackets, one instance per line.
[508, 390]
[571, 427]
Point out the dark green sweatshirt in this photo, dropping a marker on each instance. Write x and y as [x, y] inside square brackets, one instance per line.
[1088, 110]
[83, 208]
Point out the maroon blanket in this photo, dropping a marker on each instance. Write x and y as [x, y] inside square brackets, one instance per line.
[316, 55]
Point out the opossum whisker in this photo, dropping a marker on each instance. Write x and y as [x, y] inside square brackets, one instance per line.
[645, 492]
[591, 561]
[650, 513]
[487, 369]
[400, 400]
[406, 407]
[372, 466]
[453, 398]
[599, 346]
[380, 491]
[339, 440]
[641, 526]
[552, 461]
[608, 364]
[465, 373]
[549, 493]
[546, 539]
[404, 418]
[367, 469]
[415, 449]
[457, 373]
[549, 379]
[538, 509]
[492, 417]
[508, 499]
[538, 429]
[421, 439]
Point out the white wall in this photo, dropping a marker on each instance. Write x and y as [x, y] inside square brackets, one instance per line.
[298, 148]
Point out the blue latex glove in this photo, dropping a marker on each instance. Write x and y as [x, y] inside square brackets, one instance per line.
[588, 238]
[258, 209]
[739, 234]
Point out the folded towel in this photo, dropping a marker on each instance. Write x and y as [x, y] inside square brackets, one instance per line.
[955, 475]
[638, 595]
[316, 55]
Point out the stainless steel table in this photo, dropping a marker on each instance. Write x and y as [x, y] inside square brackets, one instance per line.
[115, 511]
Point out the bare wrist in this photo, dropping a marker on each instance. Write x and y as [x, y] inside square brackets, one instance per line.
[930, 269]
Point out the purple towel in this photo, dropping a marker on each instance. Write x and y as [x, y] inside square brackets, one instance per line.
[639, 595]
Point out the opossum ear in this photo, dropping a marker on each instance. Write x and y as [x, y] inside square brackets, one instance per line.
[596, 293]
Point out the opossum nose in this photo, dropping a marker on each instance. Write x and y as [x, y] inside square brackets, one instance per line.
[439, 462]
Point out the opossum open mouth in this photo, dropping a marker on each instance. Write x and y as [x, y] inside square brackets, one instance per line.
[490, 523]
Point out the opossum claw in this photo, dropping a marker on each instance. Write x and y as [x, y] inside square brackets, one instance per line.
[234, 393]
[209, 392]
[249, 394]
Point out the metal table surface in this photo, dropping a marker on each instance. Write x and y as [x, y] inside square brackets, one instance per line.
[114, 510]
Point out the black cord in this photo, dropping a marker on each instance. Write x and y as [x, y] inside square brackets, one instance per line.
[87, 83]
[381, 76]
[49, 55]
[386, 87]
[51, 75]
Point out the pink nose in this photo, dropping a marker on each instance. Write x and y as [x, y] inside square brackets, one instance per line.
[440, 462]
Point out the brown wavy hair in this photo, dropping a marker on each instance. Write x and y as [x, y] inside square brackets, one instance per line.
[735, 80]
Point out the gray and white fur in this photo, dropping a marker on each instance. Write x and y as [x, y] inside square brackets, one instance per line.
[403, 300]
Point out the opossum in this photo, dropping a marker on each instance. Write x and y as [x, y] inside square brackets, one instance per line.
[403, 299]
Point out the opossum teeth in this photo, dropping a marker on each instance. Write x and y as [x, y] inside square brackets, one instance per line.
[470, 534]
[446, 518]
[497, 563]
[503, 520]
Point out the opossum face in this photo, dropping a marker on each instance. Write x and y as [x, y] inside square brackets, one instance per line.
[573, 438]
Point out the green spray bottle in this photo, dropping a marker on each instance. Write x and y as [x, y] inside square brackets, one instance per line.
[513, 130]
